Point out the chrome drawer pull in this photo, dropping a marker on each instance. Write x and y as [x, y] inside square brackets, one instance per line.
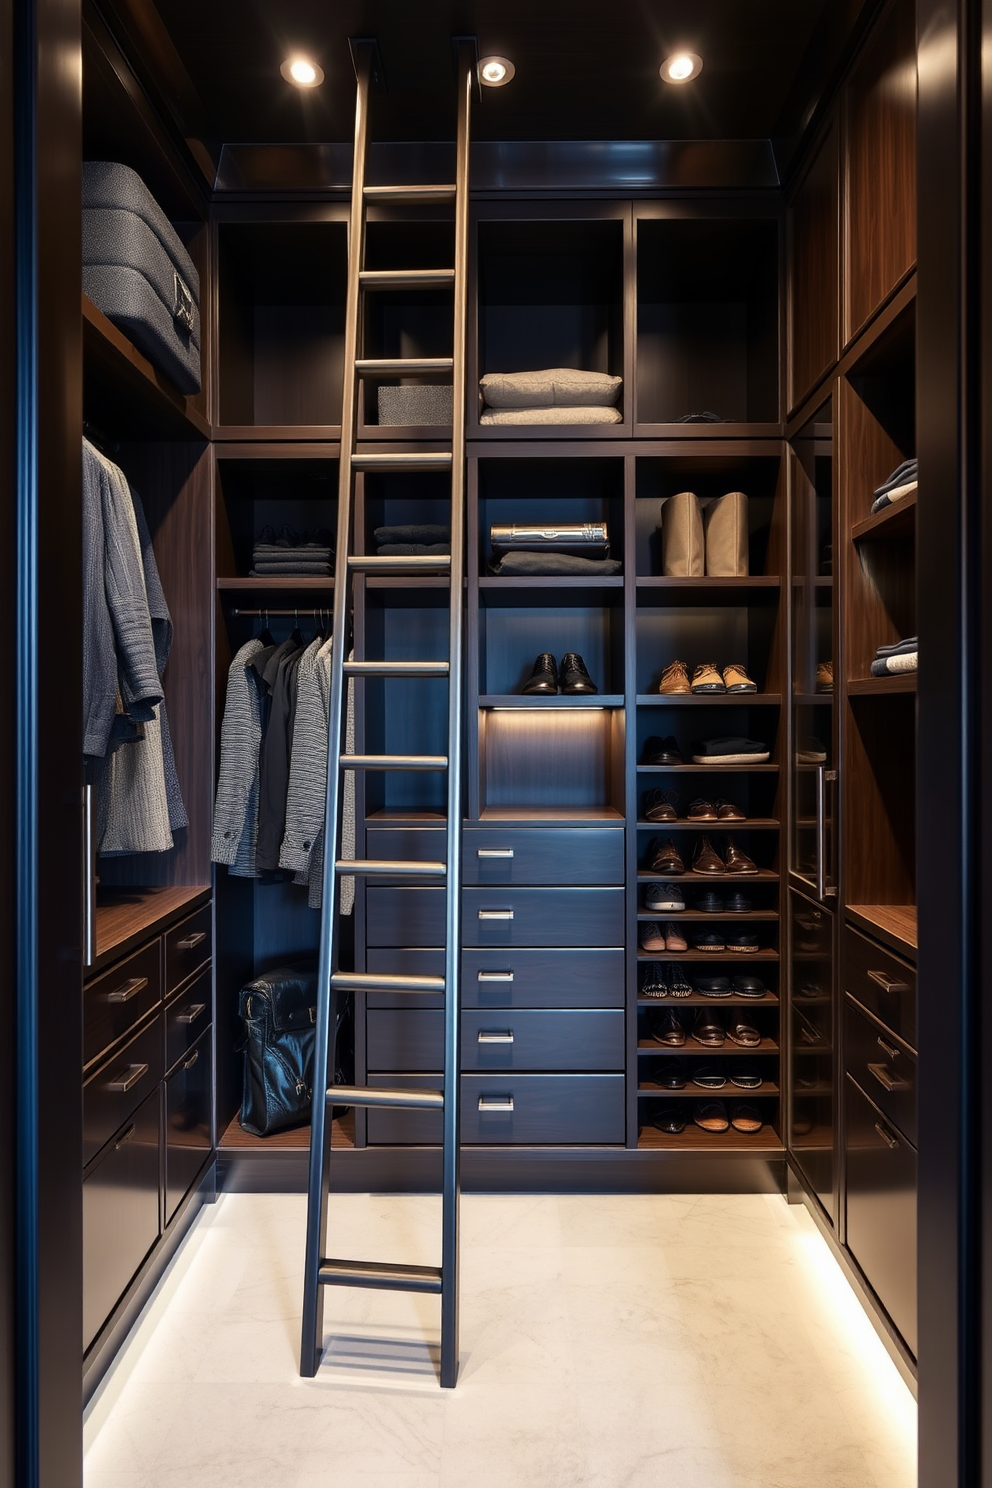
[888, 1050]
[887, 983]
[888, 1081]
[127, 1082]
[495, 1102]
[494, 976]
[192, 1013]
[494, 1036]
[125, 1138]
[192, 1060]
[127, 990]
[191, 942]
[890, 1141]
[495, 914]
[494, 852]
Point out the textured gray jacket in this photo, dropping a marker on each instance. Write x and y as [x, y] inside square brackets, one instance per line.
[235, 831]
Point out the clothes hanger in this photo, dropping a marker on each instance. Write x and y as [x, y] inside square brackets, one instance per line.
[297, 635]
[265, 635]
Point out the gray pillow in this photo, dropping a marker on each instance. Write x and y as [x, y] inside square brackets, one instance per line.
[551, 416]
[557, 387]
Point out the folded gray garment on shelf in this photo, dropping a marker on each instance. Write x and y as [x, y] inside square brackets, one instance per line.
[557, 415]
[281, 552]
[412, 532]
[303, 570]
[411, 549]
[897, 648]
[891, 666]
[553, 387]
[554, 563]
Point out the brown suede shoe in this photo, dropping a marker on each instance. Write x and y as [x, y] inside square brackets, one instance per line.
[675, 678]
[706, 678]
[705, 860]
[737, 861]
[727, 811]
[737, 679]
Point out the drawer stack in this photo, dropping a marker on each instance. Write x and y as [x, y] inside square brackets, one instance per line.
[542, 986]
[880, 1104]
[147, 1030]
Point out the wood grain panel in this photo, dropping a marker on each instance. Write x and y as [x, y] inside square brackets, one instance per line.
[814, 265]
[880, 195]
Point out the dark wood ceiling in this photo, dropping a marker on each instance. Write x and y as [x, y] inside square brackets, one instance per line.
[584, 71]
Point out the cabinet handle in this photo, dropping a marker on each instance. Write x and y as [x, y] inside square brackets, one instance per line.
[495, 1036]
[495, 914]
[89, 878]
[192, 1059]
[125, 1082]
[888, 1050]
[494, 852]
[494, 976]
[192, 1012]
[887, 1080]
[887, 983]
[191, 941]
[495, 1102]
[890, 1141]
[127, 990]
[125, 1138]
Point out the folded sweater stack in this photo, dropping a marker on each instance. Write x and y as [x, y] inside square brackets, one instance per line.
[899, 657]
[293, 554]
[411, 538]
[902, 482]
[558, 395]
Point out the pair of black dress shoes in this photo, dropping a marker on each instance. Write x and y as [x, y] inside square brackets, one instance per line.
[571, 678]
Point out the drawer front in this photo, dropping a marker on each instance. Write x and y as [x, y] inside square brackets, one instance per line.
[117, 1001]
[407, 845]
[405, 961]
[554, 1110]
[187, 946]
[557, 977]
[186, 1016]
[883, 1066]
[118, 1087]
[404, 917]
[543, 855]
[120, 1212]
[542, 917]
[881, 1208]
[504, 1040]
[543, 1040]
[187, 1123]
[882, 983]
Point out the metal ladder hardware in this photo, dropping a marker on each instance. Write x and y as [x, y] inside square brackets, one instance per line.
[333, 982]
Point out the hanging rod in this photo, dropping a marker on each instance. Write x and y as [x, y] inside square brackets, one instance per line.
[281, 614]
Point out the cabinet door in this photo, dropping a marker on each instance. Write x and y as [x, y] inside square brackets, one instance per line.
[812, 1128]
[187, 1117]
[881, 1207]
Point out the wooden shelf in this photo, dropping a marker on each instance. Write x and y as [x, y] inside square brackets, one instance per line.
[696, 880]
[749, 824]
[709, 700]
[897, 521]
[540, 583]
[764, 954]
[697, 1000]
[678, 915]
[553, 816]
[126, 917]
[767, 1089]
[706, 433]
[899, 682]
[693, 769]
[813, 699]
[765, 1142]
[895, 924]
[125, 393]
[277, 434]
[235, 1139]
[654, 588]
[516, 700]
[304, 584]
[714, 1051]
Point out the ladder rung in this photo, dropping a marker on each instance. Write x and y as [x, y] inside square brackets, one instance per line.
[368, 981]
[380, 1274]
[394, 761]
[390, 868]
[396, 668]
[406, 278]
[421, 460]
[410, 193]
[363, 1095]
[402, 366]
[412, 563]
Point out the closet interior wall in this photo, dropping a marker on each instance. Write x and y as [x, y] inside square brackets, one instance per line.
[789, 313]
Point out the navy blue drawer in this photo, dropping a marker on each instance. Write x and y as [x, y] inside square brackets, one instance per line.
[409, 1040]
[542, 917]
[405, 961]
[570, 977]
[406, 845]
[512, 1110]
[542, 855]
[404, 917]
[505, 1039]
[118, 1087]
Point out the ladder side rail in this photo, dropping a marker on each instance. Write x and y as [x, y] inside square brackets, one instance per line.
[320, 1142]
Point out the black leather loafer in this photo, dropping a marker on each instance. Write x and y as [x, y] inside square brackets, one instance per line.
[710, 903]
[543, 680]
[743, 942]
[745, 1076]
[709, 1077]
[666, 1027]
[738, 903]
[748, 986]
[709, 940]
[713, 986]
[574, 677]
[670, 1074]
[667, 1117]
[661, 751]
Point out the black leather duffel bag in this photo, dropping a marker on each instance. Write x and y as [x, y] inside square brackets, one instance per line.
[279, 1013]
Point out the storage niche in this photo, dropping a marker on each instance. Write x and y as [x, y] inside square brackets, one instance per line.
[299, 494]
[548, 493]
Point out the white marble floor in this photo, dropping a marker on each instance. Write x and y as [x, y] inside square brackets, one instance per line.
[607, 1342]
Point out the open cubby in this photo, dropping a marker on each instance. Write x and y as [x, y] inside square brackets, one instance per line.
[711, 475]
[399, 498]
[281, 322]
[550, 294]
[703, 632]
[550, 491]
[515, 628]
[409, 715]
[756, 795]
[702, 720]
[563, 762]
[880, 791]
[254, 494]
[762, 846]
[707, 319]
[406, 322]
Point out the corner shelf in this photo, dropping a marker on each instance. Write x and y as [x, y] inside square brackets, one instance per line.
[899, 682]
[141, 395]
[895, 521]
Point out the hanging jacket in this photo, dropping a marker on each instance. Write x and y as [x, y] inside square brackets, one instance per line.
[235, 830]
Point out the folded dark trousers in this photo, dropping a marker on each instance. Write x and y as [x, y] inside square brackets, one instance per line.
[554, 563]
[318, 570]
[413, 532]
[732, 744]
[898, 648]
[411, 549]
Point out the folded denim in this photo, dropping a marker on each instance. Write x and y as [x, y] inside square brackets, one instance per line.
[889, 666]
[554, 563]
[412, 532]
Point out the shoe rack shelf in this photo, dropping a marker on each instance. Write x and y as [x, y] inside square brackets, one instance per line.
[691, 1050]
[699, 880]
[726, 1092]
[899, 682]
[706, 957]
[769, 999]
[707, 769]
[749, 824]
[694, 1139]
[726, 916]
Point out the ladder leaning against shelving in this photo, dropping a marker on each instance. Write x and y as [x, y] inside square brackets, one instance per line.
[333, 983]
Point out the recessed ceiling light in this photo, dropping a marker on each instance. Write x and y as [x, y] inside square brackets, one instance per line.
[495, 72]
[302, 72]
[681, 67]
